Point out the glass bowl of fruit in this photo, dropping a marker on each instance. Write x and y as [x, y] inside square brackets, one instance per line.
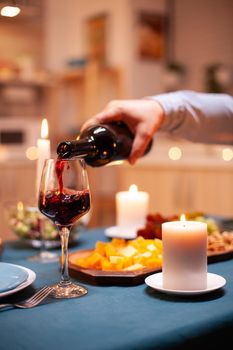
[35, 229]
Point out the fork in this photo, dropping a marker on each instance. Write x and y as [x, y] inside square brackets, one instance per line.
[37, 298]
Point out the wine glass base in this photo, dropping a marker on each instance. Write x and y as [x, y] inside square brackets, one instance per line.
[67, 290]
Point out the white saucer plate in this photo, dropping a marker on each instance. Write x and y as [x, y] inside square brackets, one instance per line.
[31, 278]
[214, 282]
[11, 276]
[117, 232]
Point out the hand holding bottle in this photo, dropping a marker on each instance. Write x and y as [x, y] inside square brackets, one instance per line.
[100, 144]
[143, 118]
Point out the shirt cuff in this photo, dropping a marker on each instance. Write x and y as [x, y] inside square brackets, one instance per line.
[174, 109]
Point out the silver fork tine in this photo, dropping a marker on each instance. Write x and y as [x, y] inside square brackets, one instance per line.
[36, 298]
[37, 294]
[33, 301]
[39, 298]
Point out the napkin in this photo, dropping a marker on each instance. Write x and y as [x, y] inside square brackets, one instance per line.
[11, 276]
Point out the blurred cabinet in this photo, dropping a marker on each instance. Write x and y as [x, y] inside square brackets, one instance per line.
[17, 183]
[78, 94]
[22, 98]
[176, 188]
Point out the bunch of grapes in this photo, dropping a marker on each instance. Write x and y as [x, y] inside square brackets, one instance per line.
[153, 226]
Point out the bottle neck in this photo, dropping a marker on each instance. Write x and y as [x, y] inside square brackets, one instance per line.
[77, 148]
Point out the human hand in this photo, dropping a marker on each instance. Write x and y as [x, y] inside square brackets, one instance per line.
[143, 117]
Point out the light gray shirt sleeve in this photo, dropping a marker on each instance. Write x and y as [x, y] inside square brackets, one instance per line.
[198, 117]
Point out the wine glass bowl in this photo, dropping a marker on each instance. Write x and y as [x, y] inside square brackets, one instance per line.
[64, 197]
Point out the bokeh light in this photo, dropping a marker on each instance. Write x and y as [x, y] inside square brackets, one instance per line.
[227, 154]
[32, 153]
[174, 153]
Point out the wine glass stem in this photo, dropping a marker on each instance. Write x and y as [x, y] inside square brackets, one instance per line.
[42, 247]
[64, 234]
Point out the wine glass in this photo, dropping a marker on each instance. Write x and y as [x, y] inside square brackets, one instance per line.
[64, 197]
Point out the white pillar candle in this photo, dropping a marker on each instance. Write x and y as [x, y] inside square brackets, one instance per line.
[184, 255]
[43, 146]
[131, 208]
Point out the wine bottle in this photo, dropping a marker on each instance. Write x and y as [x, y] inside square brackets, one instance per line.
[100, 144]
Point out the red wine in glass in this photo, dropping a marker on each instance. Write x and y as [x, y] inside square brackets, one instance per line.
[64, 209]
[64, 198]
[66, 206]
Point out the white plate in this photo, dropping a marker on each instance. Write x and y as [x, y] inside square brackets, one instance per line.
[31, 278]
[11, 276]
[117, 232]
[213, 282]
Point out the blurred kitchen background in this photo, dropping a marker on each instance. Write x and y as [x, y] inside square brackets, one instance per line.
[65, 59]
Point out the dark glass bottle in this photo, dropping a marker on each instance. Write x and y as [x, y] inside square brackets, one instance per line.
[100, 144]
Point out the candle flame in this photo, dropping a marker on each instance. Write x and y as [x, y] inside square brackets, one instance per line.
[44, 129]
[133, 189]
[10, 11]
[20, 206]
[182, 218]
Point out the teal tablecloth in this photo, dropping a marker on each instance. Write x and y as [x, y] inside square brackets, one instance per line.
[114, 317]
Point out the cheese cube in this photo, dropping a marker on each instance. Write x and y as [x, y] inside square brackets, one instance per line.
[128, 251]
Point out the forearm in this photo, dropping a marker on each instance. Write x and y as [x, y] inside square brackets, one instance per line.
[198, 117]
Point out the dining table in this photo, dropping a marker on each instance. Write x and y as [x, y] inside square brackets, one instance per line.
[114, 317]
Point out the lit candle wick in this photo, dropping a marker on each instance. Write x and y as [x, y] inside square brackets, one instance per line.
[183, 220]
[133, 189]
[44, 129]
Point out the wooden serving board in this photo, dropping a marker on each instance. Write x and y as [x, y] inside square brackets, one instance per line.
[124, 278]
